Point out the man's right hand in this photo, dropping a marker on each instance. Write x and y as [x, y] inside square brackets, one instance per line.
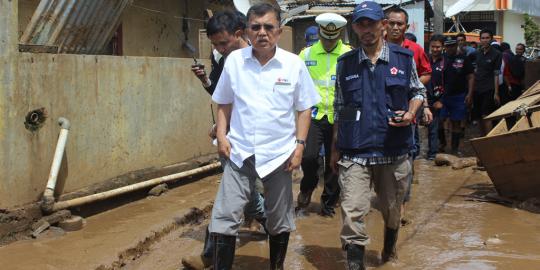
[334, 158]
[224, 147]
[199, 71]
[469, 100]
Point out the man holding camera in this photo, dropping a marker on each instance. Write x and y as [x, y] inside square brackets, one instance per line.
[377, 95]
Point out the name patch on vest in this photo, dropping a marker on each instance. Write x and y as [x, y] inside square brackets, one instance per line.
[350, 77]
[311, 63]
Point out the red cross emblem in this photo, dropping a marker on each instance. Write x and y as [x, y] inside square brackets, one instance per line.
[393, 71]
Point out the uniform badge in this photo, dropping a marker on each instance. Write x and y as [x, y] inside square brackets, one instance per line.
[310, 63]
[394, 71]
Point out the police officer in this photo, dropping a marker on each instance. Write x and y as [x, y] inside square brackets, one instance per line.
[377, 95]
[321, 60]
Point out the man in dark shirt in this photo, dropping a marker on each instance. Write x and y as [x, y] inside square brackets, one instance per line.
[486, 91]
[435, 90]
[226, 32]
[458, 80]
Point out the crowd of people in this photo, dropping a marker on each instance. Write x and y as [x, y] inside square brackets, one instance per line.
[359, 108]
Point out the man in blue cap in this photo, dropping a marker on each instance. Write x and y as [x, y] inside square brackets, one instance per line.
[377, 95]
[311, 35]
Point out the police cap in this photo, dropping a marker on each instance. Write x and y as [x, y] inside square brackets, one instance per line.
[330, 25]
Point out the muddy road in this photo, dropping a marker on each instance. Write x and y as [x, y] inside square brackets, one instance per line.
[449, 230]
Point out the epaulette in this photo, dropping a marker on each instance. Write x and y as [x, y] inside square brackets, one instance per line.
[399, 49]
[348, 54]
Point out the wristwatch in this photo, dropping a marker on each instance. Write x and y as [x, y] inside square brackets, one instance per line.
[302, 142]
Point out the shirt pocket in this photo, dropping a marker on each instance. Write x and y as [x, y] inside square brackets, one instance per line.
[282, 96]
[352, 91]
[397, 95]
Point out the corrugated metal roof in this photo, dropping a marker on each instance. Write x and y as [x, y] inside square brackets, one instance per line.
[531, 7]
[74, 26]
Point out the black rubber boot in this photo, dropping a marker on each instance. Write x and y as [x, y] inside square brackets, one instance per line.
[442, 139]
[456, 137]
[390, 239]
[355, 257]
[278, 250]
[224, 246]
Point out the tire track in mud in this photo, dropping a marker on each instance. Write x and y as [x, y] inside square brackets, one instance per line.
[194, 216]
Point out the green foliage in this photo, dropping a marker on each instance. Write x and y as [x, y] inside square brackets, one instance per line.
[532, 31]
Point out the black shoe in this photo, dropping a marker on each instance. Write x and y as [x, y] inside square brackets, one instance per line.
[303, 199]
[389, 252]
[327, 211]
[224, 246]
[355, 257]
[278, 250]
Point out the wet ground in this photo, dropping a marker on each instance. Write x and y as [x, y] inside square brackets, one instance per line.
[448, 231]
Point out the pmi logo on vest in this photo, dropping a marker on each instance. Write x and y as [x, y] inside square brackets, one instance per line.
[395, 71]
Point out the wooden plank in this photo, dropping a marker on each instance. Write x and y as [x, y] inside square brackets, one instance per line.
[509, 107]
[37, 48]
[534, 89]
[512, 161]
[500, 128]
[519, 181]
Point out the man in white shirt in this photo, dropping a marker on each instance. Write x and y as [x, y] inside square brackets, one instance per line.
[257, 94]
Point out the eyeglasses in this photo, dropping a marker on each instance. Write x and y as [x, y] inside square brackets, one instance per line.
[267, 27]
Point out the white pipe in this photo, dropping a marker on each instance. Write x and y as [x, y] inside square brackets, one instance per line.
[148, 183]
[48, 194]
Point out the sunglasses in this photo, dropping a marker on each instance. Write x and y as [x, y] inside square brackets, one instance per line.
[258, 27]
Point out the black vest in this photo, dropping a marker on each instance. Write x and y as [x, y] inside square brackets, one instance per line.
[369, 99]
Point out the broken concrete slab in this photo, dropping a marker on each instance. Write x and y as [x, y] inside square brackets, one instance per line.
[158, 190]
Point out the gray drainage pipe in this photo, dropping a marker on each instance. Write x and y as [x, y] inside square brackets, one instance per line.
[48, 195]
[148, 183]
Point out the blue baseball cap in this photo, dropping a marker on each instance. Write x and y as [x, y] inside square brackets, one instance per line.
[368, 9]
[311, 35]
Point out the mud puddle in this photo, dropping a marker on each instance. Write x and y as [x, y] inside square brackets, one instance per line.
[447, 232]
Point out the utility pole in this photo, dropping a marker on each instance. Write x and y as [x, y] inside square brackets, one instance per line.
[438, 16]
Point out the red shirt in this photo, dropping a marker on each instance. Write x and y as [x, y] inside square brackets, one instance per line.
[423, 66]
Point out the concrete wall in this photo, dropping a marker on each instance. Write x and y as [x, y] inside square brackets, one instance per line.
[127, 113]
[512, 31]
[159, 32]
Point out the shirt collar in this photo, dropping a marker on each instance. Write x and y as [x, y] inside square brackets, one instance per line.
[248, 54]
[406, 43]
[383, 55]
[317, 48]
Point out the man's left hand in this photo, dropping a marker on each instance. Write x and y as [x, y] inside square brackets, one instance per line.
[428, 116]
[403, 121]
[296, 158]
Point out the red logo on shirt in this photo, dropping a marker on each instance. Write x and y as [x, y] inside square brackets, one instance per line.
[393, 71]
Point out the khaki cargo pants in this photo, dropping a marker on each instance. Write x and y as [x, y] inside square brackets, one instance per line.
[390, 184]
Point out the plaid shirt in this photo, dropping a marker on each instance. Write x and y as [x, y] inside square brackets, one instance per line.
[418, 90]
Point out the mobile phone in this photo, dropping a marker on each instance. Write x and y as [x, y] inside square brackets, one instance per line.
[395, 117]
[197, 64]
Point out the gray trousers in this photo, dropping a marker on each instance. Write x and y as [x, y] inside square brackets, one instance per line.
[390, 184]
[235, 191]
